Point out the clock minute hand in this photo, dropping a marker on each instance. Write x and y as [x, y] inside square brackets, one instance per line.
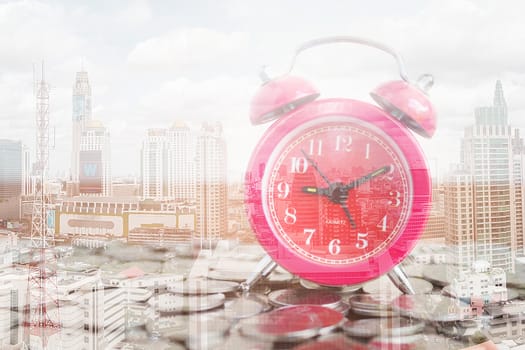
[314, 164]
[358, 182]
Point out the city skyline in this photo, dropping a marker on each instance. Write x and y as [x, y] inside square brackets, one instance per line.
[167, 69]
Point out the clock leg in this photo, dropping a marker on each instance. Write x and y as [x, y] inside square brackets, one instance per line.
[265, 267]
[400, 279]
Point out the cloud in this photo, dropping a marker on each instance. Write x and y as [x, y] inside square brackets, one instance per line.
[137, 12]
[33, 30]
[187, 48]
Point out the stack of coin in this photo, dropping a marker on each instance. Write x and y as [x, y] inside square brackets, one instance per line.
[291, 323]
[371, 305]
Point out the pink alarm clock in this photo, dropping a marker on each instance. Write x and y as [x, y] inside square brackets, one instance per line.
[338, 190]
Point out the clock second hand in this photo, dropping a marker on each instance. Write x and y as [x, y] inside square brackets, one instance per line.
[314, 164]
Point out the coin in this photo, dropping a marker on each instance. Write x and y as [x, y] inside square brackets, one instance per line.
[173, 327]
[330, 319]
[234, 276]
[384, 285]
[337, 289]
[245, 306]
[432, 307]
[207, 333]
[332, 342]
[181, 303]
[438, 275]
[236, 341]
[202, 286]
[291, 323]
[374, 301]
[371, 327]
[416, 342]
[152, 344]
[285, 297]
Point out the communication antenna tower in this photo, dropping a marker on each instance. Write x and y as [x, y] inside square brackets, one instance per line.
[41, 318]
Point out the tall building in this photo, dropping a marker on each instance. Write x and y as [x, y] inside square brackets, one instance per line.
[94, 159]
[14, 177]
[168, 164]
[482, 201]
[11, 169]
[211, 184]
[459, 213]
[181, 143]
[81, 114]
[154, 165]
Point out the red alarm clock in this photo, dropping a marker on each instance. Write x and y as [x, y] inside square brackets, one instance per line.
[338, 190]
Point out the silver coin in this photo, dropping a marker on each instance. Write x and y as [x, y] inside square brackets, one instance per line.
[284, 297]
[432, 307]
[438, 275]
[202, 286]
[237, 342]
[337, 289]
[384, 285]
[206, 334]
[416, 342]
[343, 308]
[136, 335]
[414, 270]
[131, 269]
[371, 301]
[331, 342]
[181, 303]
[234, 276]
[371, 327]
[174, 327]
[245, 306]
[155, 344]
[373, 313]
[330, 318]
[291, 323]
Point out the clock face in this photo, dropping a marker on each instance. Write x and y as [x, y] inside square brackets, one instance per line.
[337, 191]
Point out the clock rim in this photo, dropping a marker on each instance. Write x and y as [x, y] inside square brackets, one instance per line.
[398, 249]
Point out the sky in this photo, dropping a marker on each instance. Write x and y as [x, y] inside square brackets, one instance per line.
[151, 63]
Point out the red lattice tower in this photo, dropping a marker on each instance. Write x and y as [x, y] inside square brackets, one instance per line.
[42, 288]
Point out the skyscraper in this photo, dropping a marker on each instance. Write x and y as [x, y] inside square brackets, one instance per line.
[168, 163]
[11, 169]
[94, 159]
[81, 114]
[181, 143]
[14, 177]
[482, 200]
[211, 185]
[154, 165]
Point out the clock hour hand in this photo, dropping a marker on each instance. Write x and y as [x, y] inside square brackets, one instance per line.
[358, 182]
[314, 164]
[347, 213]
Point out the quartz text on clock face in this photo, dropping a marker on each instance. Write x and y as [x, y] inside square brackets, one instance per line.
[338, 192]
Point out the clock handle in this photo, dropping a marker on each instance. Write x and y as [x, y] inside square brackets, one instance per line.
[400, 279]
[264, 267]
[353, 40]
